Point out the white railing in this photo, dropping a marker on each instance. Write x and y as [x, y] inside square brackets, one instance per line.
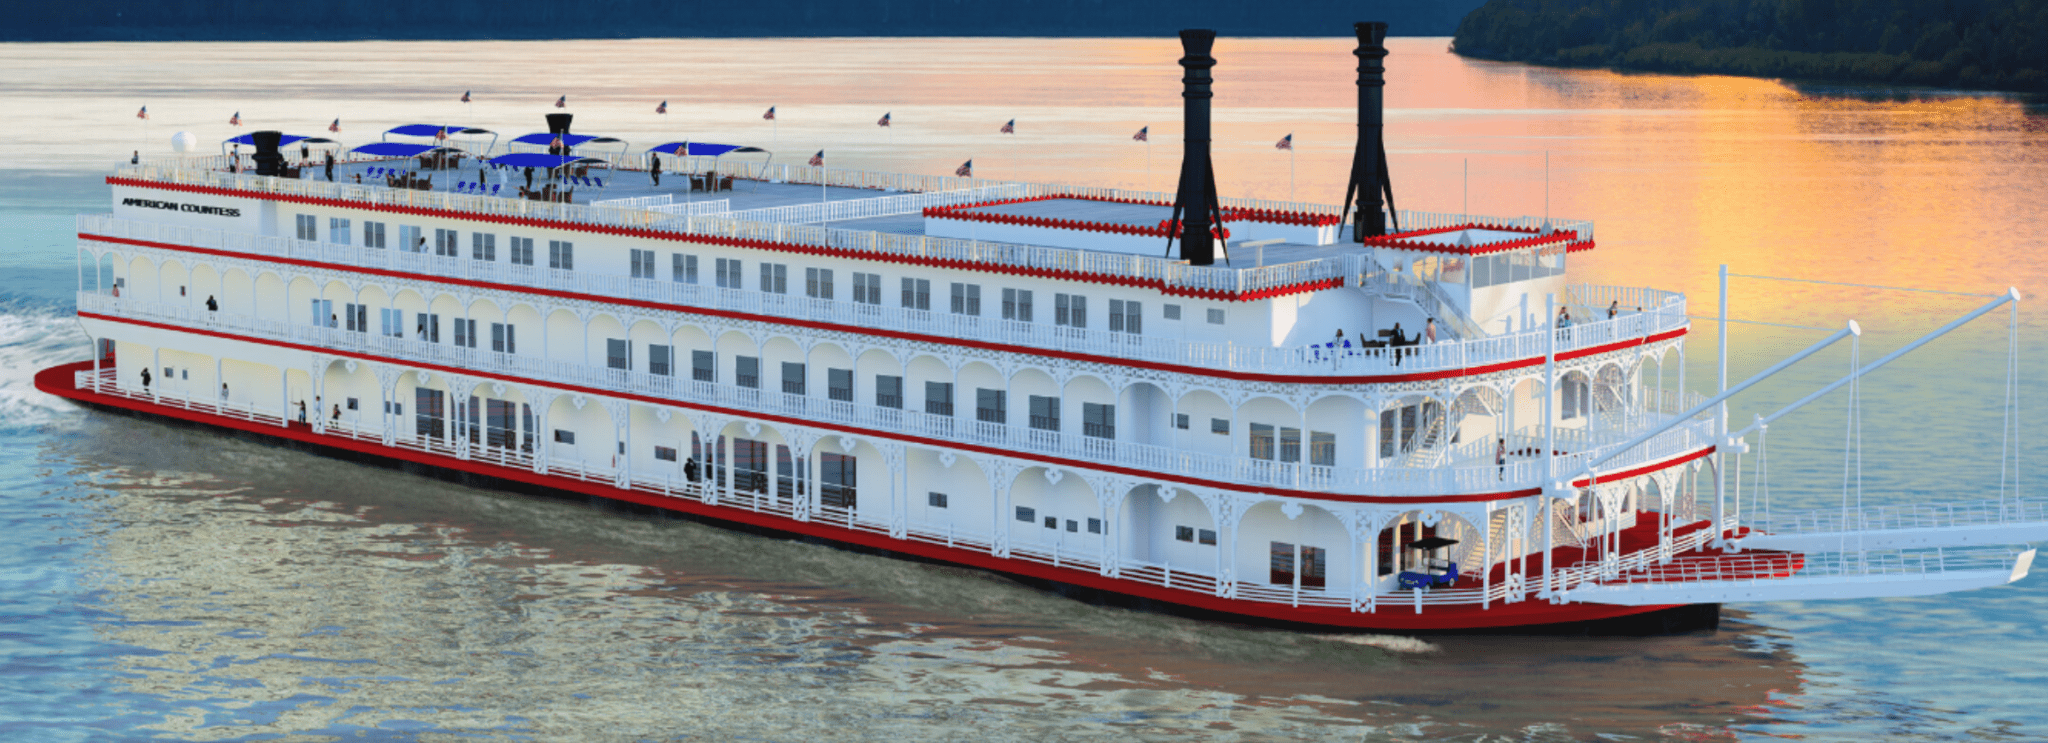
[1317, 360]
[1758, 567]
[1910, 516]
[1147, 457]
[878, 206]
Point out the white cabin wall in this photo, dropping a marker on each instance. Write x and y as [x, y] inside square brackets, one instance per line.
[1315, 317]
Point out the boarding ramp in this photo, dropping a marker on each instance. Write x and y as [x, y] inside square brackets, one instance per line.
[1919, 525]
[1792, 576]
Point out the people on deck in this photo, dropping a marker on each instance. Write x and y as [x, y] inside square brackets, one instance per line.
[654, 167]
[330, 166]
[1429, 331]
[223, 392]
[1613, 309]
[212, 306]
[145, 379]
[337, 413]
[302, 411]
[135, 159]
[1500, 458]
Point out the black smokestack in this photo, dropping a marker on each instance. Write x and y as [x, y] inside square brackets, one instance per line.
[268, 162]
[558, 125]
[1369, 180]
[1197, 195]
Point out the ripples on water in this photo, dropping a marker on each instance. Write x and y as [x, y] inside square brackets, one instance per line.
[159, 582]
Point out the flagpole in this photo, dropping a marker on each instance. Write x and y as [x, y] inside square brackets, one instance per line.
[1290, 171]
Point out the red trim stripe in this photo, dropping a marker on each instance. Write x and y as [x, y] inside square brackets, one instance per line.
[918, 337]
[918, 440]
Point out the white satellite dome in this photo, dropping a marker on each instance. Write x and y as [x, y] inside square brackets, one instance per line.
[183, 142]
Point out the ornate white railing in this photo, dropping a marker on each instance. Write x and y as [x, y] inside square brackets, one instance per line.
[1400, 481]
[1312, 361]
[877, 206]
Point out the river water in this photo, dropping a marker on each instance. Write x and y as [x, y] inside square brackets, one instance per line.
[164, 583]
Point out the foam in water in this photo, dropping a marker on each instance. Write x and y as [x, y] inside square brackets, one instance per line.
[32, 338]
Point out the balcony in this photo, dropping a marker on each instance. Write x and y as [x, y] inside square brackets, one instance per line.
[1662, 311]
[1473, 475]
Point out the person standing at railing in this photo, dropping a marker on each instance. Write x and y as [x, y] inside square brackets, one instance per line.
[1613, 309]
[135, 159]
[337, 414]
[1500, 458]
[330, 166]
[1429, 331]
[145, 380]
[302, 411]
[654, 166]
[211, 305]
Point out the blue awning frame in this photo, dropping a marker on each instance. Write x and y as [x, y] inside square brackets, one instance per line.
[540, 141]
[693, 150]
[400, 149]
[282, 141]
[429, 130]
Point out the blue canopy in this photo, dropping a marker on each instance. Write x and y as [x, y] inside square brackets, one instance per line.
[428, 130]
[395, 149]
[544, 139]
[539, 160]
[703, 149]
[250, 139]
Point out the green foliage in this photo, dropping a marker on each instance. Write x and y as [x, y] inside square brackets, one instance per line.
[1995, 44]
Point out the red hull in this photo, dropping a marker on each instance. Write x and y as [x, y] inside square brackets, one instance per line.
[58, 380]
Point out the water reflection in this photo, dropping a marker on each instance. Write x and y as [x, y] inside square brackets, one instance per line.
[260, 590]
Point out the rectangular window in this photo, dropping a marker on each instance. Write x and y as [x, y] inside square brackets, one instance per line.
[665, 453]
[729, 273]
[1387, 434]
[1017, 305]
[1322, 449]
[704, 366]
[1180, 421]
[1052, 522]
[659, 358]
[522, 251]
[502, 338]
[1173, 312]
[935, 500]
[338, 230]
[411, 239]
[839, 384]
[1126, 317]
[1073, 525]
[308, 227]
[641, 263]
[483, 246]
[938, 398]
[352, 404]
[990, 406]
[917, 294]
[1027, 514]
[867, 288]
[428, 328]
[1184, 533]
[1219, 426]
[429, 413]
[1206, 536]
[1095, 526]
[966, 299]
[465, 333]
[818, 283]
[1290, 445]
[888, 392]
[565, 437]
[747, 371]
[1216, 317]
[618, 353]
[1070, 310]
[357, 317]
[836, 480]
[1098, 421]
[1045, 413]
[373, 234]
[792, 378]
[682, 268]
[444, 243]
[1262, 442]
[562, 255]
[774, 278]
[391, 323]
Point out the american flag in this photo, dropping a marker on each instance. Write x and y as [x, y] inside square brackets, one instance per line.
[335, 127]
[562, 102]
[1010, 128]
[770, 116]
[143, 114]
[966, 170]
[557, 144]
[884, 120]
[441, 135]
[818, 160]
[661, 109]
[1285, 143]
[465, 96]
[1143, 135]
[235, 120]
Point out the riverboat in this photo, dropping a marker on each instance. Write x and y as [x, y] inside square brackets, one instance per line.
[1346, 416]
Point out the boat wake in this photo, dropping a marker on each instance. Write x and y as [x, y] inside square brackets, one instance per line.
[34, 335]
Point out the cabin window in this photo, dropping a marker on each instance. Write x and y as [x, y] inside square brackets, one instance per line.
[1095, 526]
[428, 328]
[565, 437]
[1184, 533]
[393, 322]
[411, 239]
[428, 412]
[562, 255]
[1219, 426]
[888, 392]
[1215, 317]
[1017, 305]
[935, 499]
[990, 406]
[1027, 514]
[444, 243]
[500, 426]
[642, 263]
[1180, 421]
[704, 366]
[729, 273]
[792, 378]
[839, 384]
[465, 333]
[938, 398]
[1205, 536]
[502, 338]
[1045, 413]
[618, 353]
[917, 294]
[659, 358]
[1322, 449]
[1098, 420]
[867, 288]
[818, 283]
[1289, 562]
[357, 317]
[522, 251]
[747, 372]
[1070, 310]
[837, 478]
[1388, 434]
[665, 453]
[1126, 317]
[373, 234]
[338, 230]
[483, 246]
[682, 268]
[307, 227]
[774, 278]
[966, 299]
[352, 404]
[1173, 312]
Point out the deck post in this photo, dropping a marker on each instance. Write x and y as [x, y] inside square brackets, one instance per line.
[1721, 418]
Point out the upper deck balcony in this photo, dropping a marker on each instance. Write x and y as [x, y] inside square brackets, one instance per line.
[884, 216]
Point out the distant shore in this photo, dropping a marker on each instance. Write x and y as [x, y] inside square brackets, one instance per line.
[1996, 45]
